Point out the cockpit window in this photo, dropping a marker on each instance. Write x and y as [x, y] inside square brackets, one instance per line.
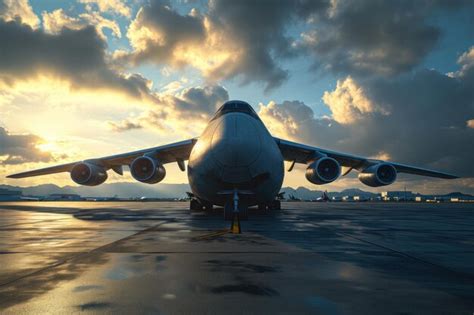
[236, 107]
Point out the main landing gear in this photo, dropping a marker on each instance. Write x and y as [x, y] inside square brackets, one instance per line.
[200, 205]
[274, 205]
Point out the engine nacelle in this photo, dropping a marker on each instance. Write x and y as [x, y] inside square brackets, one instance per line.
[377, 175]
[88, 174]
[323, 171]
[148, 170]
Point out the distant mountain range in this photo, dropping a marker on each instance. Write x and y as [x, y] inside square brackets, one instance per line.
[134, 190]
[122, 190]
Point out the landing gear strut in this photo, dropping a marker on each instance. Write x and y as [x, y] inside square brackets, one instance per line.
[234, 208]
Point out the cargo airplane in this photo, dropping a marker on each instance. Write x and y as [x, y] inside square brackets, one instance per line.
[235, 163]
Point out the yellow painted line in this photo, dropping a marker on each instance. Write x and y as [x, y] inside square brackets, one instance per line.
[211, 235]
[235, 228]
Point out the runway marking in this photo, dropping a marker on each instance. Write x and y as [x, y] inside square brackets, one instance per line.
[211, 235]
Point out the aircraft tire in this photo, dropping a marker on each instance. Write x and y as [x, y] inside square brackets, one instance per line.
[195, 205]
[207, 206]
[275, 205]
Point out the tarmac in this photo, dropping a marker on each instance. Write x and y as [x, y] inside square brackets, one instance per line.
[309, 258]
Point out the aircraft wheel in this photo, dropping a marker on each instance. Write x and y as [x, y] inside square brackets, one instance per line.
[195, 205]
[207, 206]
[275, 205]
[262, 207]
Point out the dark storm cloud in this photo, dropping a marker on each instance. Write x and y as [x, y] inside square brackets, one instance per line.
[252, 33]
[77, 56]
[425, 124]
[17, 149]
[374, 37]
[258, 27]
[346, 37]
[167, 28]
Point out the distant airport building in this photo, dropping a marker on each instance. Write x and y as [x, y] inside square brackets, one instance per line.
[10, 195]
[397, 195]
[347, 198]
[63, 197]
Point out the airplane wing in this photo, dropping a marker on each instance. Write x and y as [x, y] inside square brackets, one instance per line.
[173, 152]
[301, 153]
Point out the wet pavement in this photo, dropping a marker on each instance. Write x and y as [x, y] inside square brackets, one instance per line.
[309, 258]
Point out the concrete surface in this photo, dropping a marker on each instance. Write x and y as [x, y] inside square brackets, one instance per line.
[309, 258]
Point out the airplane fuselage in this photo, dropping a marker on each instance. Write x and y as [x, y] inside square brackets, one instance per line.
[236, 152]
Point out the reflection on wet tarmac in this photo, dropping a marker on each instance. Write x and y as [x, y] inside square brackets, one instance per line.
[309, 258]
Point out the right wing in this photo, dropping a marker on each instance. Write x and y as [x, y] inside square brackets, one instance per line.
[302, 153]
[173, 152]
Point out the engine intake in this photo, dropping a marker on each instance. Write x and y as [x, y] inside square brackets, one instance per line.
[323, 171]
[88, 174]
[148, 170]
[377, 175]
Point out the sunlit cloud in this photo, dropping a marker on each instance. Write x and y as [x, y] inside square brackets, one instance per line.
[349, 103]
[55, 21]
[114, 6]
[470, 123]
[184, 112]
[11, 10]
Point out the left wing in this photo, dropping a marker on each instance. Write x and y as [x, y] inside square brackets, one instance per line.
[173, 152]
[301, 153]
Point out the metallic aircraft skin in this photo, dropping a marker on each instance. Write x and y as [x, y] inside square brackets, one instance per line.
[236, 151]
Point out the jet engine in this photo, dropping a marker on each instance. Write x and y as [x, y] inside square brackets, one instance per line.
[323, 171]
[88, 174]
[381, 174]
[148, 170]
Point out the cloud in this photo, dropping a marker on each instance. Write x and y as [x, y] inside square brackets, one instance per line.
[421, 121]
[124, 125]
[186, 111]
[115, 6]
[157, 31]
[17, 149]
[249, 41]
[11, 10]
[53, 22]
[466, 61]
[349, 103]
[367, 37]
[234, 39]
[470, 123]
[76, 56]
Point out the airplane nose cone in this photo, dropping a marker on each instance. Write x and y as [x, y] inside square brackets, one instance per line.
[236, 141]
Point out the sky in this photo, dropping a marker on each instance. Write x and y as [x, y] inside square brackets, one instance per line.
[384, 79]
